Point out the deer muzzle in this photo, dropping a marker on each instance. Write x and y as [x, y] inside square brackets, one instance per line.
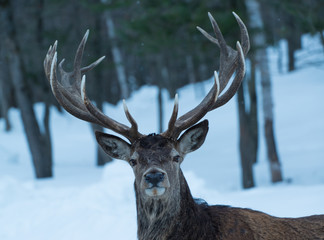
[155, 182]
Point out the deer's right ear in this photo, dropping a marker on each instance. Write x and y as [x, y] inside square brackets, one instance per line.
[114, 146]
[193, 138]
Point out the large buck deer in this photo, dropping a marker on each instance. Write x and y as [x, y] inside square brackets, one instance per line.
[165, 206]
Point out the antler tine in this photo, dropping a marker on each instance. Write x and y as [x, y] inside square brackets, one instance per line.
[193, 116]
[173, 119]
[92, 65]
[208, 36]
[219, 35]
[130, 133]
[230, 61]
[244, 34]
[225, 97]
[174, 115]
[71, 93]
[79, 52]
[130, 118]
[48, 59]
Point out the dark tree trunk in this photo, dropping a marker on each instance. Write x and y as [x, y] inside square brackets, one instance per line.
[245, 150]
[117, 56]
[294, 43]
[248, 133]
[160, 107]
[5, 84]
[275, 167]
[47, 135]
[39, 143]
[160, 83]
[291, 55]
[259, 42]
[4, 98]
[321, 33]
[253, 114]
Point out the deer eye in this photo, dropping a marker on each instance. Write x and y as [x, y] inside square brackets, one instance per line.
[176, 158]
[133, 162]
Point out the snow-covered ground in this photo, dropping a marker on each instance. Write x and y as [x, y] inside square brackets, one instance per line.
[86, 202]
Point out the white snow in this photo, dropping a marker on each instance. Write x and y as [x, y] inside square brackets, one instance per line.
[86, 202]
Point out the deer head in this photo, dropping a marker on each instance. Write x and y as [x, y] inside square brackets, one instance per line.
[155, 158]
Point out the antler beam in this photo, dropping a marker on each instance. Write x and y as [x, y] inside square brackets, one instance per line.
[230, 61]
[70, 92]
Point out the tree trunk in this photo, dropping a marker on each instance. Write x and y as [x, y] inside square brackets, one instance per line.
[294, 42]
[321, 33]
[160, 107]
[46, 135]
[259, 42]
[117, 57]
[4, 104]
[246, 152]
[4, 72]
[291, 55]
[191, 73]
[253, 115]
[275, 167]
[248, 118]
[39, 144]
[164, 79]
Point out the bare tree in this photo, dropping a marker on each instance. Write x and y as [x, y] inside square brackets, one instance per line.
[5, 87]
[117, 56]
[39, 141]
[259, 43]
[248, 119]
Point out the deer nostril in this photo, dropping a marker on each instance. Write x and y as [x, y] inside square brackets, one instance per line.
[154, 178]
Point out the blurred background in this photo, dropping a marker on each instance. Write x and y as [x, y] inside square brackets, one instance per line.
[271, 132]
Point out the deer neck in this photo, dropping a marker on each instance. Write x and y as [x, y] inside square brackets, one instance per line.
[157, 218]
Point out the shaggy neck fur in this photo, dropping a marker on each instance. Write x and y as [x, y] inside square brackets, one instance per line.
[176, 217]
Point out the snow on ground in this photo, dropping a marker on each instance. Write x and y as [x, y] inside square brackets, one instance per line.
[85, 202]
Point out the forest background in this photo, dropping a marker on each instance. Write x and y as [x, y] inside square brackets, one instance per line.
[145, 43]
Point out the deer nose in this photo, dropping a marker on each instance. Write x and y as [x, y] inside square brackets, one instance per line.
[154, 178]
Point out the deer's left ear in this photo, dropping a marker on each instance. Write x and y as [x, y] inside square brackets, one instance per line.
[193, 138]
[114, 146]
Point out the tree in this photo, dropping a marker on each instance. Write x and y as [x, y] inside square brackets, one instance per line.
[248, 121]
[259, 42]
[39, 142]
[5, 89]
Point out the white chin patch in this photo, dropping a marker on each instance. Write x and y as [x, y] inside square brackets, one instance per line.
[155, 191]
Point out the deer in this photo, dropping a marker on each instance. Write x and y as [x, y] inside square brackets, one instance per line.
[165, 206]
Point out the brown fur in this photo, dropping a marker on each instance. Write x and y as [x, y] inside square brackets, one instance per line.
[194, 221]
[239, 223]
[174, 215]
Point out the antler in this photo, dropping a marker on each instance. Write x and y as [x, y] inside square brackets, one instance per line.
[230, 61]
[70, 92]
